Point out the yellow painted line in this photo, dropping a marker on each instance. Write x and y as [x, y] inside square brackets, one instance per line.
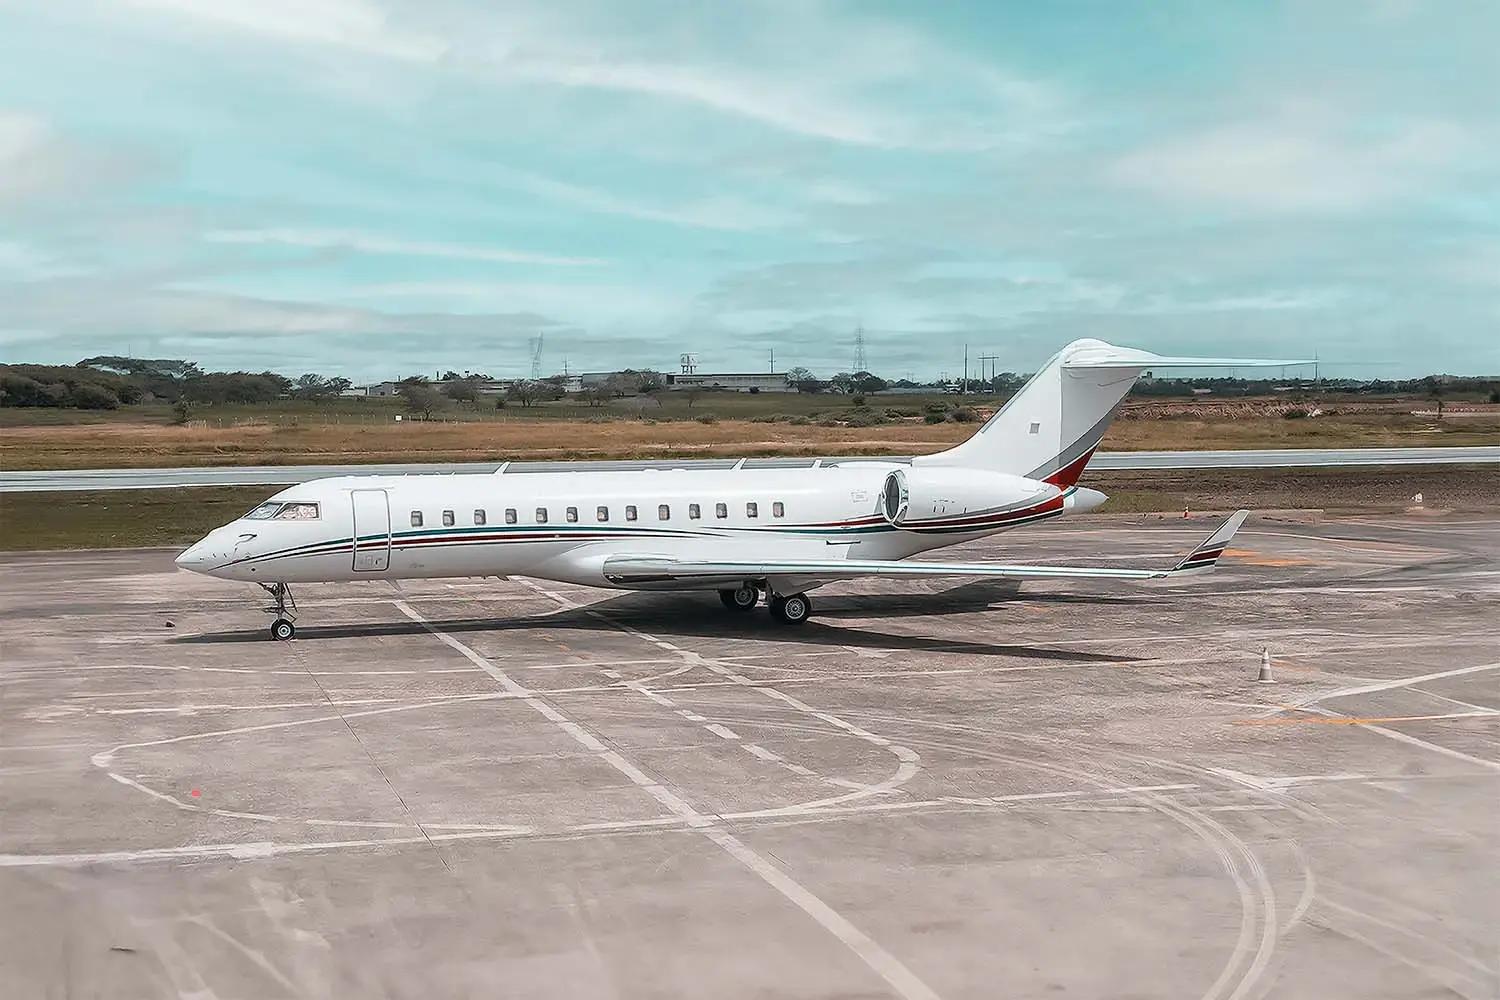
[1343, 720]
[1253, 558]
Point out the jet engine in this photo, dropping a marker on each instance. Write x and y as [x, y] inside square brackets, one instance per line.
[914, 496]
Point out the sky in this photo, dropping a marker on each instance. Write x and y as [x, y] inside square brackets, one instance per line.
[372, 188]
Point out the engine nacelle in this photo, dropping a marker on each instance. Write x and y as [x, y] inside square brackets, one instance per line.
[957, 498]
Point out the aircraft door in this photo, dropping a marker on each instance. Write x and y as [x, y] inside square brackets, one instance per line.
[372, 531]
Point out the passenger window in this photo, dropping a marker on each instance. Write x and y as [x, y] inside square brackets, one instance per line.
[510, 515]
[663, 512]
[478, 516]
[694, 511]
[298, 512]
[541, 515]
[778, 509]
[721, 510]
[752, 509]
[630, 512]
[416, 519]
[602, 513]
[448, 519]
[572, 515]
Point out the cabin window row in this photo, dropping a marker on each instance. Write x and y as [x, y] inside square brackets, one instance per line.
[601, 513]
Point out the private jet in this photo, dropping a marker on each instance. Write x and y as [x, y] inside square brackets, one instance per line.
[749, 532]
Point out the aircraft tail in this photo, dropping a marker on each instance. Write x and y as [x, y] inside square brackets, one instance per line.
[1050, 428]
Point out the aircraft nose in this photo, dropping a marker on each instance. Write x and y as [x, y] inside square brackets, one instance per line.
[191, 557]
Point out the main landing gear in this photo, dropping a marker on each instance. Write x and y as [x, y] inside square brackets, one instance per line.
[285, 610]
[791, 609]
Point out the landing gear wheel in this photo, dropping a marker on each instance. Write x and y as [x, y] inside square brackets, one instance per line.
[281, 629]
[792, 609]
[741, 599]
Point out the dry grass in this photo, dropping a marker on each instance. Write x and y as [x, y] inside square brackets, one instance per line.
[122, 444]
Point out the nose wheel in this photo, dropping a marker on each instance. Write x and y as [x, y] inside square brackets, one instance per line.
[792, 609]
[284, 607]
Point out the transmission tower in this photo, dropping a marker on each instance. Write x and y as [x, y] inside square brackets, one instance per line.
[536, 356]
[860, 363]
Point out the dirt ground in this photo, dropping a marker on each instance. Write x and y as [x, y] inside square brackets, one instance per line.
[116, 444]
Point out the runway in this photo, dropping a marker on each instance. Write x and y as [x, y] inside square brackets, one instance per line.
[934, 789]
[277, 475]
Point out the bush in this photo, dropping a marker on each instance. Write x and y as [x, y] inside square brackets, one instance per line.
[963, 415]
[499, 402]
[800, 421]
[1295, 413]
[181, 411]
[858, 401]
[941, 408]
[864, 418]
[937, 417]
[765, 418]
[828, 422]
[87, 396]
[706, 418]
[896, 413]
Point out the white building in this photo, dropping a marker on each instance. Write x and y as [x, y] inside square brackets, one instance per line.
[730, 381]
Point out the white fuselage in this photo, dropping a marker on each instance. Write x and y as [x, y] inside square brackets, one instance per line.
[563, 525]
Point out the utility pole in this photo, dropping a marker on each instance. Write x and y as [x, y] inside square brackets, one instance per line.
[966, 370]
[860, 363]
[773, 361]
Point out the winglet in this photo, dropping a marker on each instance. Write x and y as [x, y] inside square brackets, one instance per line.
[1208, 551]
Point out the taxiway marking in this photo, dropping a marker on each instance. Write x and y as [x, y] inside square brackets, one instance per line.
[882, 962]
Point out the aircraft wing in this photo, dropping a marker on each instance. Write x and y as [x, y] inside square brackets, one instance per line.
[650, 571]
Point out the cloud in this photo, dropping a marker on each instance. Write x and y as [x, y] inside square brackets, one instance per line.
[325, 239]
[1294, 163]
[39, 168]
[348, 24]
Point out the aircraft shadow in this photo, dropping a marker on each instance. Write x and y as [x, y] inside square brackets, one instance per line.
[691, 616]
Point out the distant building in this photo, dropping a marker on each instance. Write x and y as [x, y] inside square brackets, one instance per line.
[730, 381]
[382, 388]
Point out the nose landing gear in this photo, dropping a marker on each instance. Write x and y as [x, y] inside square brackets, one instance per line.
[284, 608]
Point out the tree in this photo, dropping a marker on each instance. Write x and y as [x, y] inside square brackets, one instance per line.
[842, 382]
[693, 395]
[803, 380]
[420, 397]
[865, 382]
[314, 386]
[598, 393]
[527, 392]
[451, 376]
[463, 390]
[181, 412]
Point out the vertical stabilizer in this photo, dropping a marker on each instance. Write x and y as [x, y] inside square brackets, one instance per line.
[1050, 428]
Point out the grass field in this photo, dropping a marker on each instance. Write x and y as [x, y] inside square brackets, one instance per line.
[131, 518]
[118, 443]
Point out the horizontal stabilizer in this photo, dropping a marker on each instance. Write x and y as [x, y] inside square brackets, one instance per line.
[1100, 355]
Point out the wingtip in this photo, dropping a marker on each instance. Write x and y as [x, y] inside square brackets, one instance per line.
[1206, 554]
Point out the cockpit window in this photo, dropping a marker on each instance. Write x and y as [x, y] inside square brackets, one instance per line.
[298, 511]
[264, 511]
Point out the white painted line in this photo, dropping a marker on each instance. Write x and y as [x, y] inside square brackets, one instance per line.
[761, 752]
[722, 731]
[882, 962]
